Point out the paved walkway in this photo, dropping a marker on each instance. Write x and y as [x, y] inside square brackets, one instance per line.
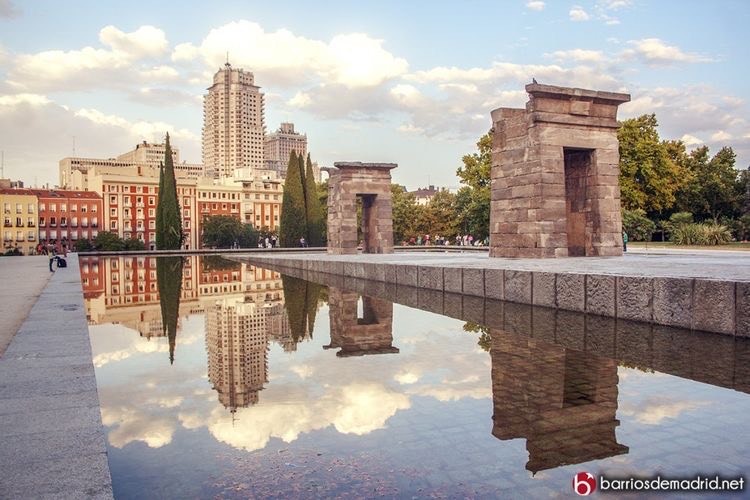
[52, 441]
[23, 279]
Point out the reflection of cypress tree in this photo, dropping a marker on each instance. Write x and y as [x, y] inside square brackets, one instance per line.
[311, 305]
[169, 281]
[301, 304]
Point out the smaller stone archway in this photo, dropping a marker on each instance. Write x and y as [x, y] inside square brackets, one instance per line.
[371, 183]
[359, 334]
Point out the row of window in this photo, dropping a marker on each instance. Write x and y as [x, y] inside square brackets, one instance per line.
[19, 208]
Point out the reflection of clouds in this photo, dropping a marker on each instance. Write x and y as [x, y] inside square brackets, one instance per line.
[303, 371]
[312, 390]
[354, 409]
[365, 408]
[111, 343]
[653, 410]
[444, 394]
[406, 377]
[131, 424]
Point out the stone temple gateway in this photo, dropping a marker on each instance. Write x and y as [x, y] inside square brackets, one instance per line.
[371, 183]
[555, 173]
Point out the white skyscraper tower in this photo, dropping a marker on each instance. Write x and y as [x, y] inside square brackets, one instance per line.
[233, 123]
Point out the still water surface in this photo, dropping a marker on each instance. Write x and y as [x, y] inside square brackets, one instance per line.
[220, 379]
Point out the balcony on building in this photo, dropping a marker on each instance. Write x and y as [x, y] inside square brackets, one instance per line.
[8, 224]
[31, 237]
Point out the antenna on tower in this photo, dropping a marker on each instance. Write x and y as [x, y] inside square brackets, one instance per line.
[228, 59]
[2, 164]
[74, 145]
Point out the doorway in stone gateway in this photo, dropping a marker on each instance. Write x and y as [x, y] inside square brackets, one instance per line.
[367, 311]
[578, 163]
[369, 222]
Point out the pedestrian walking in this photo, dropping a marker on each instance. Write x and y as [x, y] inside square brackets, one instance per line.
[624, 241]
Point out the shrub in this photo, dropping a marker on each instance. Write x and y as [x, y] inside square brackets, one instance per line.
[707, 233]
[637, 225]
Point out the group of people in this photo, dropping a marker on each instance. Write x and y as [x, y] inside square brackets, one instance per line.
[268, 242]
[52, 247]
[459, 240]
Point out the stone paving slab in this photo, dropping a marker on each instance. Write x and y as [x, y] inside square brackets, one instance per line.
[18, 298]
[701, 290]
[52, 441]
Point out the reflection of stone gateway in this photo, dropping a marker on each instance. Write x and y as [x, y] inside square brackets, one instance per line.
[563, 402]
[555, 185]
[371, 182]
[356, 336]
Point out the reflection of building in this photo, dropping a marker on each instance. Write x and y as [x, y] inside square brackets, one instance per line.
[355, 332]
[237, 346]
[563, 402]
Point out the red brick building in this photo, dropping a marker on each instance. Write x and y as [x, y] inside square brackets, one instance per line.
[67, 216]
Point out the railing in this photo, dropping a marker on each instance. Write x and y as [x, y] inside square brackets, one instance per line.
[31, 237]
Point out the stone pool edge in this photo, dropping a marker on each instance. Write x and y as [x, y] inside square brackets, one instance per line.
[52, 442]
[666, 301]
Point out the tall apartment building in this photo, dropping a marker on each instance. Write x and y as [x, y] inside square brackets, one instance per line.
[280, 144]
[233, 123]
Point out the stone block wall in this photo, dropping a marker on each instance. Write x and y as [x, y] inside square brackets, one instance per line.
[555, 190]
[372, 183]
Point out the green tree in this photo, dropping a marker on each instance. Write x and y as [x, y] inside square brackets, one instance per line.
[405, 213]
[293, 223]
[649, 174]
[169, 234]
[169, 283]
[477, 166]
[473, 200]
[221, 231]
[323, 201]
[107, 241]
[712, 190]
[313, 212]
[133, 244]
[439, 216]
[473, 209]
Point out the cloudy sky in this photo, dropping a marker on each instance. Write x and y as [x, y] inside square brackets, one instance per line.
[406, 82]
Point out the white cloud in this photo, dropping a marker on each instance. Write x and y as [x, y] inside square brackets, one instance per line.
[614, 4]
[578, 14]
[652, 412]
[24, 118]
[116, 65]
[656, 52]
[146, 41]
[351, 60]
[580, 55]
[690, 140]
[17, 99]
[721, 136]
[537, 5]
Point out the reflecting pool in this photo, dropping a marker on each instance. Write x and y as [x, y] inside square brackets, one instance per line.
[224, 379]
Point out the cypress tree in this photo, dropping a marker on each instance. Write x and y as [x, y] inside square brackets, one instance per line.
[312, 206]
[293, 223]
[168, 220]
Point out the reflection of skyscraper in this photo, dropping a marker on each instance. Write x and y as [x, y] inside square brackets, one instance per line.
[355, 334]
[563, 402]
[237, 347]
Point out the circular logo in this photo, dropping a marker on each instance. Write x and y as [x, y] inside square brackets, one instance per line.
[584, 483]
